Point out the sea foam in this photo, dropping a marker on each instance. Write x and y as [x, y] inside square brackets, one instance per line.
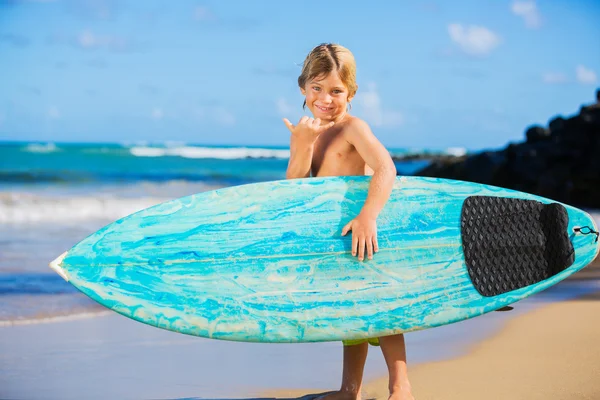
[224, 153]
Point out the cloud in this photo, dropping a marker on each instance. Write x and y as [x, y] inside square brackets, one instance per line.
[93, 9]
[473, 40]
[208, 18]
[291, 111]
[89, 40]
[224, 117]
[217, 114]
[585, 75]
[202, 13]
[554, 78]
[157, 113]
[527, 9]
[283, 107]
[15, 40]
[53, 112]
[371, 109]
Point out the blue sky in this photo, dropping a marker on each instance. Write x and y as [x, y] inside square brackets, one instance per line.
[431, 74]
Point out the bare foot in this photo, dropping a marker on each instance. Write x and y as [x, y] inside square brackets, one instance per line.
[401, 394]
[340, 395]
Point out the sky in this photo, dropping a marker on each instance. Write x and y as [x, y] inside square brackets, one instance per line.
[431, 74]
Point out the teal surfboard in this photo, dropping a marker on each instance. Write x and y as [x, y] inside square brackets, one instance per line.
[266, 262]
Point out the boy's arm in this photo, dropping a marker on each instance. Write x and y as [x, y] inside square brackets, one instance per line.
[301, 153]
[364, 226]
[378, 158]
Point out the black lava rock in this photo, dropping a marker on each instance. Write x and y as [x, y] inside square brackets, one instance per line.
[561, 162]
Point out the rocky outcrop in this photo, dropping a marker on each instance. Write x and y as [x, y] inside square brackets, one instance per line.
[560, 162]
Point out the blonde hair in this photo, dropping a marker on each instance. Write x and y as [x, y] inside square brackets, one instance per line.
[326, 58]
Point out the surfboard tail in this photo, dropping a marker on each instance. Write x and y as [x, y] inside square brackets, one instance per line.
[55, 265]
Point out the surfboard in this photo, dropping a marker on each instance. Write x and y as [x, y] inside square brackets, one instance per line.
[266, 262]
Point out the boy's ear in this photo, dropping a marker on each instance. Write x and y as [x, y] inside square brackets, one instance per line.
[303, 91]
[352, 96]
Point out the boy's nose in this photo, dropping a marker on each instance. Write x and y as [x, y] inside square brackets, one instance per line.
[325, 97]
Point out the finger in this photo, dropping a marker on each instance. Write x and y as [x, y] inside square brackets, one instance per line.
[317, 122]
[346, 228]
[370, 248]
[303, 120]
[375, 244]
[361, 249]
[310, 122]
[329, 125]
[354, 243]
[289, 125]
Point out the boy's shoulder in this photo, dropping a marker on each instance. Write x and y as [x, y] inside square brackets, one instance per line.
[355, 126]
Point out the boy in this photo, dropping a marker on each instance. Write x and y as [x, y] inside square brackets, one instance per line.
[334, 143]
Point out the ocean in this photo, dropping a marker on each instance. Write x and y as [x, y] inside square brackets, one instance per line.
[53, 195]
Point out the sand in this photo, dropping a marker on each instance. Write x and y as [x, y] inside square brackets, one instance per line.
[551, 353]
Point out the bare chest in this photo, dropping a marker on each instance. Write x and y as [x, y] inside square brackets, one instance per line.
[334, 156]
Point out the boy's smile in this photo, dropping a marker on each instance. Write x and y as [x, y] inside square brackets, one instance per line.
[323, 109]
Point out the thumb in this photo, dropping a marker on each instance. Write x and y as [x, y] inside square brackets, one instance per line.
[289, 125]
[346, 228]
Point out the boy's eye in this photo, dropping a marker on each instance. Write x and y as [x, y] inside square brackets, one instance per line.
[316, 88]
[337, 91]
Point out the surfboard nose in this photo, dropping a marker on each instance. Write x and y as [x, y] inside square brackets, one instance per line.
[55, 265]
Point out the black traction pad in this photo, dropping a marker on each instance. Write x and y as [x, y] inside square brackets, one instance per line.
[512, 243]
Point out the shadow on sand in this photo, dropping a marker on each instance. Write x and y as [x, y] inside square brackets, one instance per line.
[312, 396]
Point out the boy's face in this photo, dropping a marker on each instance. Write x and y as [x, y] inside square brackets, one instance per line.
[326, 96]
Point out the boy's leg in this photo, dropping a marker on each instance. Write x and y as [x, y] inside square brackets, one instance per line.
[355, 357]
[394, 352]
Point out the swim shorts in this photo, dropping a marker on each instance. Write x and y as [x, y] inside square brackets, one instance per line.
[372, 342]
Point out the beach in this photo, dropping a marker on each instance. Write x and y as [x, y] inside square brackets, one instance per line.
[56, 343]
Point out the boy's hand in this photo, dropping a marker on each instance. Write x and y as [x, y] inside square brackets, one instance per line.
[364, 234]
[308, 129]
